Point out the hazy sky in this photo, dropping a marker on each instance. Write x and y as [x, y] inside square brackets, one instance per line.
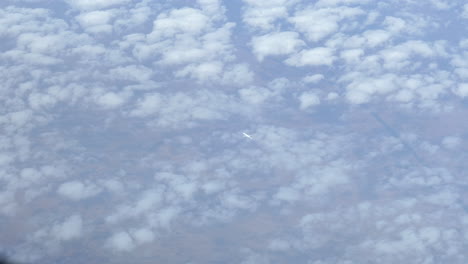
[122, 131]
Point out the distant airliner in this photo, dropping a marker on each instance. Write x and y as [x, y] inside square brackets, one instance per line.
[247, 135]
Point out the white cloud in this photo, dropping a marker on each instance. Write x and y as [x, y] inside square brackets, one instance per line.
[362, 89]
[376, 38]
[112, 100]
[461, 90]
[71, 228]
[451, 142]
[313, 78]
[121, 241]
[148, 105]
[94, 18]
[465, 11]
[188, 39]
[332, 96]
[185, 20]
[143, 235]
[96, 21]
[95, 4]
[76, 190]
[399, 57]
[237, 75]
[312, 57]
[212, 8]
[70, 97]
[264, 13]
[135, 73]
[202, 72]
[164, 217]
[352, 56]
[308, 99]
[30, 174]
[279, 43]
[145, 203]
[288, 194]
[394, 24]
[279, 245]
[441, 4]
[255, 95]
[317, 24]
[184, 109]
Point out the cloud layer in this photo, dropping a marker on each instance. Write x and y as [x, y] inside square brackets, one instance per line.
[122, 131]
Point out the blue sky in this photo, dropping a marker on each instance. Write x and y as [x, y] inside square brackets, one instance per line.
[122, 131]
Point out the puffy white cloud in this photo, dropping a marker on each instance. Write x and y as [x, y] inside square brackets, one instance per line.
[451, 142]
[76, 190]
[361, 90]
[398, 57]
[312, 57]
[121, 241]
[146, 203]
[185, 20]
[111, 99]
[465, 11]
[203, 71]
[441, 4]
[71, 228]
[94, 18]
[317, 24]
[148, 105]
[189, 39]
[263, 14]
[308, 99]
[136, 73]
[279, 43]
[157, 109]
[377, 37]
[352, 56]
[143, 235]
[313, 78]
[212, 7]
[30, 174]
[184, 109]
[237, 75]
[461, 90]
[95, 4]
[255, 95]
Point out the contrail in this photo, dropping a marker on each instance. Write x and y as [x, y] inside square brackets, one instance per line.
[394, 133]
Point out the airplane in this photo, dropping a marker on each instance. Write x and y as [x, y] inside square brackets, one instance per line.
[247, 135]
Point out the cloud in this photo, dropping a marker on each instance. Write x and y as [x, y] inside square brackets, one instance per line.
[280, 43]
[318, 23]
[312, 57]
[71, 228]
[465, 11]
[263, 14]
[121, 241]
[313, 78]
[461, 90]
[361, 91]
[111, 99]
[451, 142]
[95, 4]
[184, 109]
[96, 21]
[185, 20]
[188, 39]
[153, 99]
[143, 235]
[76, 190]
[255, 95]
[308, 99]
